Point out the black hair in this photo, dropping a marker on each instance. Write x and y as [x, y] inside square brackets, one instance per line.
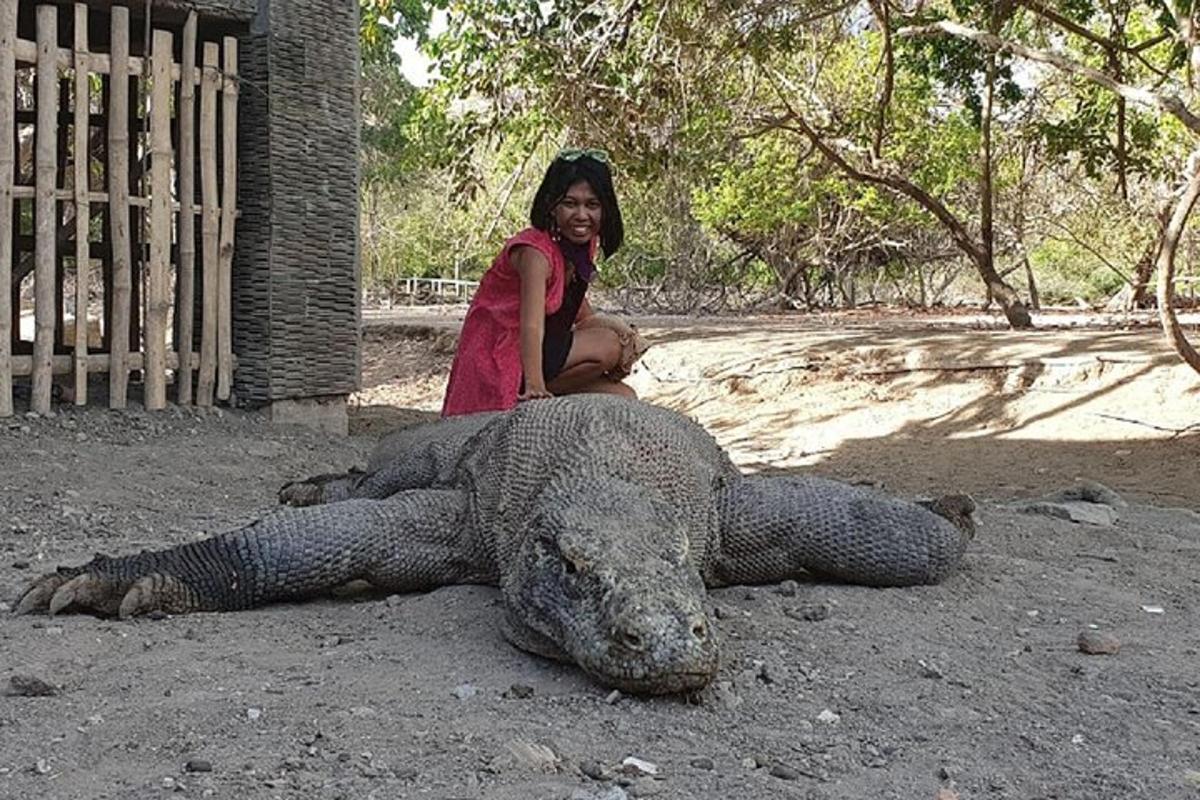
[561, 175]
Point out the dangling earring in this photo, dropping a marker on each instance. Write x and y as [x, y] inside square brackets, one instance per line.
[554, 234]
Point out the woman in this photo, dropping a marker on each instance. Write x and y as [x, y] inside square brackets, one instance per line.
[526, 335]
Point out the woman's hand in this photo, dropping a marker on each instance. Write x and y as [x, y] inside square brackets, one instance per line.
[534, 392]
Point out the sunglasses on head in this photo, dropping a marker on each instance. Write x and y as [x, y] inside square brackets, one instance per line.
[576, 153]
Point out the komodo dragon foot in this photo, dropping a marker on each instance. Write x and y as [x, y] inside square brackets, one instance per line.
[320, 489]
[93, 587]
[958, 508]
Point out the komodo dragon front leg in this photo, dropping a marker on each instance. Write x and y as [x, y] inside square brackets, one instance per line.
[774, 528]
[409, 542]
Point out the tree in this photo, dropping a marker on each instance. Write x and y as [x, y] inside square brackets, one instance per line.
[1183, 27]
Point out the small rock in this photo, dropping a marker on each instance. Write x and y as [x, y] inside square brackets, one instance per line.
[930, 670]
[609, 793]
[253, 713]
[20, 565]
[30, 686]
[593, 770]
[787, 588]
[702, 763]
[168, 783]
[1192, 778]
[1153, 609]
[612, 697]
[41, 766]
[465, 691]
[749, 762]
[829, 717]
[394, 600]
[198, 765]
[784, 772]
[519, 691]
[1076, 511]
[635, 766]
[645, 787]
[1097, 643]
[530, 755]
[1090, 492]
[945, 794]
[812, 612]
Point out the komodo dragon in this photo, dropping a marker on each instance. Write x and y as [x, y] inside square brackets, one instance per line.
[601, 519]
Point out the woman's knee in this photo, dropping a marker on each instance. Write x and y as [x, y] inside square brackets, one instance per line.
[624, 389]
[610, 350]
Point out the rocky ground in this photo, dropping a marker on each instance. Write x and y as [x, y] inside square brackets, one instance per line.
[977, 688]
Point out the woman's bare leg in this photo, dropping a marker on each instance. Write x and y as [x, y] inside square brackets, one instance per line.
[594, 352]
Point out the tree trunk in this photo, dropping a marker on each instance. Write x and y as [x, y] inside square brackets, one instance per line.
[1034, 300]
[1145, 265]
[1166, 274]
[997, 289]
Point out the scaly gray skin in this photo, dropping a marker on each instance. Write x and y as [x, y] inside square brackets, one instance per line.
[601, 519]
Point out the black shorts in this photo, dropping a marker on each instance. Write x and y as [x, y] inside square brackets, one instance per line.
[555, 350]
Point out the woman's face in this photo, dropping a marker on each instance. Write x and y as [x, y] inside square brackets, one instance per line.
[577, 215]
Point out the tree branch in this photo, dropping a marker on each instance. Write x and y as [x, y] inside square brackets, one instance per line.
[1169, 103]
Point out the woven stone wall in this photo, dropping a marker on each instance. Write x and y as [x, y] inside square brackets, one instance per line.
[296, 273]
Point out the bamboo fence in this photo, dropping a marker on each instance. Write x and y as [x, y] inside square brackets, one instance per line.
[144, 176]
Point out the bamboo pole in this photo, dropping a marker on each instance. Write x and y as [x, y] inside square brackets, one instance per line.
[186, 279]
[45, 208]
[26, 52]
[118, 192]
[208, 224]
[83, 258]
[8, 104]
[28, 192]
[97, 362]
[161, 155]
[229, 99]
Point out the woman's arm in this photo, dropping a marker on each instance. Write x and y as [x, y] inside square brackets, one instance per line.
[534, 270]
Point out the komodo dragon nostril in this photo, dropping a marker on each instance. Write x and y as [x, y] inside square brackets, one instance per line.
[700, 630]
[631, 640]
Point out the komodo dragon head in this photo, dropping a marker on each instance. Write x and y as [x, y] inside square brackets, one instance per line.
[604, 578]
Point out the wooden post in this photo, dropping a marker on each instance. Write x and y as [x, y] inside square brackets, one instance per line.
[8, 106]
[208, 223]
[161, 155]
[46, 207]
[83, 257]
[229, 101]
[186, 280]
[118, 203]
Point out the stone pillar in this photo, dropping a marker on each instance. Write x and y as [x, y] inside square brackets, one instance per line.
[296, 274]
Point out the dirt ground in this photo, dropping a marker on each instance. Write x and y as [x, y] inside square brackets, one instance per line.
[975, 686]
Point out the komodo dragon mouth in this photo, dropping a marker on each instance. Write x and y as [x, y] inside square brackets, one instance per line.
[602, 520]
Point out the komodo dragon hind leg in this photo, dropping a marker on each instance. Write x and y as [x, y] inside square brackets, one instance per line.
[418, 470]
[413, 541]
[774, 528]
[320, 489]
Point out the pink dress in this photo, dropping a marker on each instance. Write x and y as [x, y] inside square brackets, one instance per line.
[486, 375]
